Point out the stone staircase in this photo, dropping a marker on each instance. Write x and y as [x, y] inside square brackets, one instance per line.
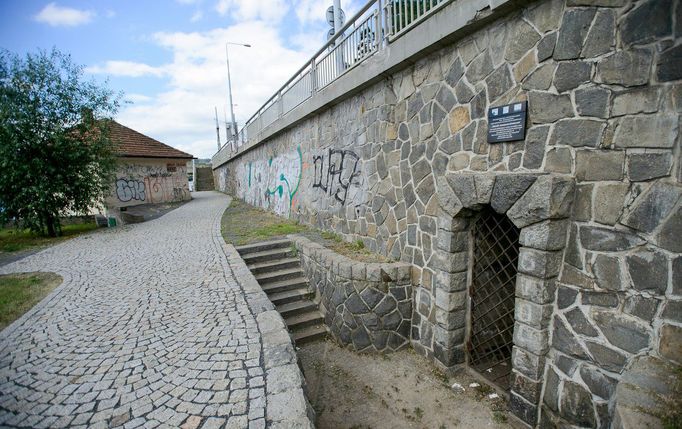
[278, 271]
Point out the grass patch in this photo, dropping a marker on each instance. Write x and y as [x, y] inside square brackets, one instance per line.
[245, 224]
[15, 240]
[20, 292]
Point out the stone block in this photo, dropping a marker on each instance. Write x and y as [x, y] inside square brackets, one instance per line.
[576, 405]
[539, 291]
[578, 133]
[549, 197]
[551, 398]
[450, 320]
[652, 207]
[647, 166]
[650, 21]
[526, 387]
[452, 241]
[602, 36]
[609, 199]
[601, 299]
[672, 311]
[545, 48]
[450, 301]
[532, 314]
[545, 107]
[622, 331]
[627, 68]
[576, 318]
[573, 32]
[669, 66]
[677, 275]
[566, 297]
[637, 100]
[531, 339]
[641, 306]
[668, 235]
[670, 344]
[607, 270]
[643, 131]
[499, 82]
[529, 364]
[523, 39]
[448, 356]
[508, 189]
[565, 364]
[536, 141]
[565, 341]
[607, 240]
[606, 357]
[593, 165]
[593, 101]
[522, 409]
[546, 16]
[451, 282]
[559, 160]
[540, 79]
[648, 271]
[539, 263]
[570, 74]
[548, 235]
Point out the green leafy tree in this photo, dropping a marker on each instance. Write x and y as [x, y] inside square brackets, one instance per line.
[55, 154]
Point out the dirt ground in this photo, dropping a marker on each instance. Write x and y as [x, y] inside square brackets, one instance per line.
[399, 390]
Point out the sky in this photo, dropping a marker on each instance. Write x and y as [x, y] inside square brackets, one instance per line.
[168, 56]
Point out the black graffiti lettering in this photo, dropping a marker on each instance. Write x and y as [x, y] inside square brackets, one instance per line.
[341, 171]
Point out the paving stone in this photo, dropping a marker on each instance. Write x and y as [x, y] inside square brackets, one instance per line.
[146, 327]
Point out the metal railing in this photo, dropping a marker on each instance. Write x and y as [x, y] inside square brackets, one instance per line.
[376, 24]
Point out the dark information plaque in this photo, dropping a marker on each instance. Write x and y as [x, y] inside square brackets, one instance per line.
[507, 123]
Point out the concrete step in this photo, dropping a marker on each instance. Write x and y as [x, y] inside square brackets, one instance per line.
[285, 285]
[267, 255]
[290, 296]
[276, 265]
[308, 334]
[300, 321]
[262, 246]
[296, 307]
[279, 275]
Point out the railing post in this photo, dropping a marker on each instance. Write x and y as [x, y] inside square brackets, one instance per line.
[280, 105]
[313, 77]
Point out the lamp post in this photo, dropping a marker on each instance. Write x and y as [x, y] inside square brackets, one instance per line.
[229, 86]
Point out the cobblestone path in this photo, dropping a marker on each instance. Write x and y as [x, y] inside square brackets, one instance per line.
[150, 328]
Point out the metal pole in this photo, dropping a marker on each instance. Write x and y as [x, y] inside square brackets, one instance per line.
[217, 127]
[229, 89]
[338, 53]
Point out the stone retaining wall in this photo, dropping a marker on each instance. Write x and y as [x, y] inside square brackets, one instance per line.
[404, 164]
[366, 306]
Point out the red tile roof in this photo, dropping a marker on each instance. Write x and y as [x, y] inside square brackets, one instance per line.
[130, 143]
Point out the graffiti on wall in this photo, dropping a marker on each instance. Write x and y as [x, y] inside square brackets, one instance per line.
[336, 173]
[152, 183]
[128, 190]
[272, 184]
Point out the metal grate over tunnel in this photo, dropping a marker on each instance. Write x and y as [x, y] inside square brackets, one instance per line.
[495, 257]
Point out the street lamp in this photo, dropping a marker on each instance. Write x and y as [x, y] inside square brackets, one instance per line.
[229, 86]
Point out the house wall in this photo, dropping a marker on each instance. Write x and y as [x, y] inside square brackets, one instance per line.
[395, 164]
[149, 181]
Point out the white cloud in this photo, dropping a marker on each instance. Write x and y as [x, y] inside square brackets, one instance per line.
[312, 10]
[138, 98]
[56, 16]
[246, 10]
[183, 116]
[197, 16]
[126, 68]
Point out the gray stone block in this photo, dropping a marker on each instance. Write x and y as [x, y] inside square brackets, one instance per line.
[559, 160]
[532, 314]
[549, 197]
[536, 141]
[677, 275]
[551, 397]
[593, 101]
[602, 36]
[526, 387]
[627, 68]
[539, 263]
[508, 189]
[658, 132]
[524, 39]
[566, 364]
[650, 21]
[609, 199]
[622, 331]
[607, 270]
[573, 32]
[570, 74]
[672, 311]
[669, 66]
[634, 101]
[647, 166]
[499, 82]
[527, 363]
[653, 206]
[544, 107]
[606, 357]
[522, 409]
[668, 235]
[546, 47]
[607, 240]
[531, 339]
[576, 318]
[564, 340]
[576, 405]
[548, 235]
[566, 297]
[578, 132]
[670, 345]
[641, 306]
[648, 271]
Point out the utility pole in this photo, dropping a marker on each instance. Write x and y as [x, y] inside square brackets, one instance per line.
[217, 127]
[229, 90]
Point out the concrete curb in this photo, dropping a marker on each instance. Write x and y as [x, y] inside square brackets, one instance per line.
[286, 403]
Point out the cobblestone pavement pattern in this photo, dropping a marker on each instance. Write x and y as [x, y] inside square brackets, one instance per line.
[150, 328]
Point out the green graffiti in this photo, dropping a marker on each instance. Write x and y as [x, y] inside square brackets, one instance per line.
[280, 188]
[250, 164]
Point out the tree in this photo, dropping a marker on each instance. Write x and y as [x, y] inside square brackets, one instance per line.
[55, 154]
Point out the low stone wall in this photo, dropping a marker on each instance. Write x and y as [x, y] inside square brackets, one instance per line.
[367, 306]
